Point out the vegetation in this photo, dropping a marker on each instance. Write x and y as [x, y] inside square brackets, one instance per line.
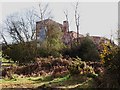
[20, 53]
[110, 58]
[53, 64]
[48, 72]
[86, 50]
[53, 44]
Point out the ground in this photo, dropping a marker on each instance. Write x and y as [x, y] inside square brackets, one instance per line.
[47, 82]
[67, 81]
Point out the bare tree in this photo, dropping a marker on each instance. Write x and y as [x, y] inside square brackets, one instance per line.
[77, 19]
[66, 16]
[29, 22]
[44, 11]
[2, 36]
[4, 39]
[21, 27]
[13, 28]
[67, 19]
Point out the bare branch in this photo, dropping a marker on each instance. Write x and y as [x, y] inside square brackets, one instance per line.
[77, 19]
[66, 15]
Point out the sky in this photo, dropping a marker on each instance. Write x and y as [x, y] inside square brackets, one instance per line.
[96, 18]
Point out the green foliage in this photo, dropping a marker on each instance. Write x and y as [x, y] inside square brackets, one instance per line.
[110, 57]
[106, 53]
[74, 67]
[86, 50]
[21, 53]
[113, 69]
[53, 44]
[78, 67]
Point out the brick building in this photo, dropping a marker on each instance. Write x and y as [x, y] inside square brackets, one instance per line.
[41, 29]
[68, 36]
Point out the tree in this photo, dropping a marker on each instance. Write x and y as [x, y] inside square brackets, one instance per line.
[44, 11]
[88, 50]
[77, 19]
[110, 57]
[53, 43]
[67, 19]
[21, 27]
[4, 40]
[66, 16]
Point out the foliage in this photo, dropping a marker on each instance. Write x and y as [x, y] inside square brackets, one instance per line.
[86, 50]
[78, 67]
[107, 52]
[110, 58]
[113, 69]
[56, 67]
[74, 67]
[54, 71]
[21, 53]
[53, 44]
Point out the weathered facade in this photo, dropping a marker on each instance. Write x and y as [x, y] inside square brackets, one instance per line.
[41, 29]
[68, 36]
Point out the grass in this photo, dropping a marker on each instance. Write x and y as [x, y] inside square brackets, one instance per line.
[67, 81]
[47, 81]
[32, 81]
[6, 63]
[73, 82]
[3, 60]
[18, 82]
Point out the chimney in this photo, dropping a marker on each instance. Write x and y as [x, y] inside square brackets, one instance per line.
[65, 26]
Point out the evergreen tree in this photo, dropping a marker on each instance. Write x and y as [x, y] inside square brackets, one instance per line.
[88, 50]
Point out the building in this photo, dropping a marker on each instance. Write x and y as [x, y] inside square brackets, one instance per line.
[68, 37]
[41, 29]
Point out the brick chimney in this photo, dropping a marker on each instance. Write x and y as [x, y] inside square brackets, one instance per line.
[65, 26]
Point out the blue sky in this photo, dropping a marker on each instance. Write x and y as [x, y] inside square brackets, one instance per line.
[96, 18]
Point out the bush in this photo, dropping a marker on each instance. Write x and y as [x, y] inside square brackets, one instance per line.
[113, 69]
[86, 50]
[74, 67]
[78, 67]
[110, 57]
[42, 52]
[21, 53]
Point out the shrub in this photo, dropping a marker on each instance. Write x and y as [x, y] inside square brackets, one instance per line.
[74, 67]
[21, 53]
[78, 67]
[86, 50]
[110, 57]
